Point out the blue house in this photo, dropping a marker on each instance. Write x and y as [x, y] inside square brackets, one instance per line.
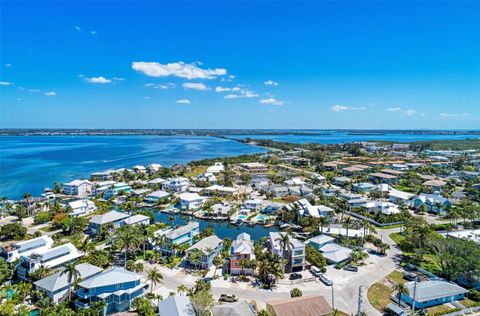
[208, 248]
[178, 236]
[433, 293]
[434, 202]
[116, 287]
[363, 187]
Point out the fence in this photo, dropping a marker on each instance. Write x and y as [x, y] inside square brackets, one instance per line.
[292, 282]
[371, 220]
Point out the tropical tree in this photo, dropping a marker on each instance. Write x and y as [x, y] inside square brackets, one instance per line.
[217, 261]
[127, 240]
[285, 244]
[295, 292]
[195, 257]
[70, 269]
[182, 288]
[401, 289]
[154, 276]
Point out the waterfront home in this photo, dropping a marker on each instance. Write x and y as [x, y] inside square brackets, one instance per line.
[435, 185]
[240, 308]
[278, 190]
[137, 219]
[432, 293]
[116, 287]
[252, 204]
[190, 201]
[379, 177]
[117, 188]
[27, 247]
[272, 208]
[254, 167]
[220, 190]
[50, 258]
[157, 196]
[207, 248]
[306, 209]
[362, 187]
[216, 168]
[242, 250]
[101, 186]
[179, 184]
[139, 169]
[110, 218]
[78, 187]
[154, 167]
[311, 305]
[176, 305]
[221, 209]
[295, 255]
[56, 286]
[342, 181]
[335, 253]
[183, 235]
[319, 241]
[435, 203]
[102, 175]
[82, 207]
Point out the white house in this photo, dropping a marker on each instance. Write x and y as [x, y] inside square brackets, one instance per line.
[154, 167]
[252, 204]
[220, 190]
[179, 184]
[113, 217]
[82, 207]
[77, 187]
[136, 219]
[155, 196]
[295, 256]
[191, 201]
[216, 168]
[139, 169]
[27, 247]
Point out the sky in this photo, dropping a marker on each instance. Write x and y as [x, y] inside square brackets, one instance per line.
[286, 65]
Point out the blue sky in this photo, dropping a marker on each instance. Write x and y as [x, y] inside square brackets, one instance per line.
[240, 65]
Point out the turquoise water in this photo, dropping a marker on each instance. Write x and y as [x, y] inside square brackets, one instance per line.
[29, 163]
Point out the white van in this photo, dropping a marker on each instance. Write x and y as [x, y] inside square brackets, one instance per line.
[315, 271]
[325, 279]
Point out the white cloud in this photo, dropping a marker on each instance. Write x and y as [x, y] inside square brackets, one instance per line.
[50, 94]
[8, 65]
[340, 108]
[195, 86]
[118, 78]
[93, 32]
[271, 83]
[397, 109]
[271, 101]
[34, 90]
[411, 112]
[183, 101]
[99, 79]
[6, 83]
[162, 86]
[76, 27]
[453, 115]
[241, 92]
[232, 96]
[146, 98]
[228, 79]
[178, 69]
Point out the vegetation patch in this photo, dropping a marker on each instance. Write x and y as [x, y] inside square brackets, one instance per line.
[379, 296]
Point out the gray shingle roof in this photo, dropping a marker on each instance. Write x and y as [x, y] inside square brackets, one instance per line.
[430, 290]
[208, 242]
[176, 305]
[58, 281]
[109, 217]
[111, 276]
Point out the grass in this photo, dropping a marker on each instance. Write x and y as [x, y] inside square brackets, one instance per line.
[379, 296]
[195, 171]
[430, 264]
[389, 226]
[339, 313]
[469, 303]
[440, 309]
[396, 277]
[397, 238]
[278, 200]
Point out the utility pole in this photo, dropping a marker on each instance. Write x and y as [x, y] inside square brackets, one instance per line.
[414, 295]
[360, 300]
[333, 299]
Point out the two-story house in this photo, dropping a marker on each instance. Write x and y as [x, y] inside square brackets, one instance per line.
[202, 253]
[179, 184]
[82, 207]
[116, 189]
[176, 236]
[27, 247]
[78, 187]
[242, 249]
[113, 217]
[294, 251]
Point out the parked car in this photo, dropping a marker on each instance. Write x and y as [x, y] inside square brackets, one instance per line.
[315, 271]
[325, 279]
[351, 268]
[410, 276]
[228, 298]
[295, 276]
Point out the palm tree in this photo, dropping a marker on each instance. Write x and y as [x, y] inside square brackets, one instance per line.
[285, 244]
[70, 269]
[195, 257]
[86, 246]
[347, 223]
[323, 223]
[154, 276]
[127, 239]
[217, 261]
[182, 288]
[401, 289]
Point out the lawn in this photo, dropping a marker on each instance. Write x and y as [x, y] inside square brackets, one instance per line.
[339, 313]
[379, 296]
[396, 277]
[439, 310]
[389, 226]
[195, 171]
[397, 237]
[469, 303]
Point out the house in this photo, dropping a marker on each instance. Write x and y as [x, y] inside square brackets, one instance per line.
[216, 168]
[82, 207]
[335, 253]
[336, 230]
[115, 189]
[259, 183]
[207, 248]
[221, 209]
[470, 234]
[27, 247]
[102, 176]
[306, 209]
[254, 167]
[191, 201]
[311, 305]
[399, 197]
[435, 185]
[295, 255]
[342, 181]
[379, 177]
[220, 190]
[207, 177]
[386, 208]
[154, 167]
[116, 287]
[56, 286]
[113, 217]
[157, 181]
[179, 184]
[182, 235]
[242, 249]
[294, 182]
[319, 241]
[240, 308]
[78, 187]
[252, 204]
[435, 203]
[272, 208]
[139, 169]
[101, 186]
[351, 171]
[50, 258]
[362, 187]
[157, 196]
[137, 219]
[432, 293]
[392, 172]
[278, 190]
[176, 305]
